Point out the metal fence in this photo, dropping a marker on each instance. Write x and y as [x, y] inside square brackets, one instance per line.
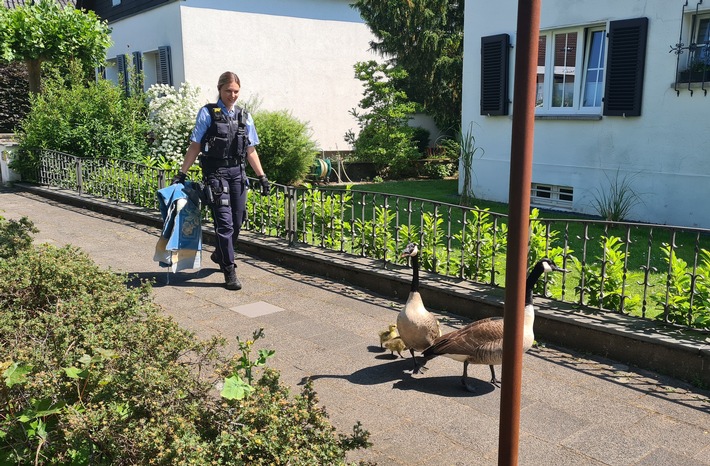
[653, 271]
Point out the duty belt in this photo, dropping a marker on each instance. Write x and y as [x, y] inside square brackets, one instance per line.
[208, 164]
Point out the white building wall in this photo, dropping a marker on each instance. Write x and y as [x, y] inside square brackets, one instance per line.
[292, 55]
[663, 152]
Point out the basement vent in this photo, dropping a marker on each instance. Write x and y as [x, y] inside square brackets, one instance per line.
[546, 195]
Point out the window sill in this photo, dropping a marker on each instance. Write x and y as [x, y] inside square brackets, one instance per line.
[572, 116]
[691, 84]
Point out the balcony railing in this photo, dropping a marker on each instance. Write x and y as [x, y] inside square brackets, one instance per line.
[655, 272]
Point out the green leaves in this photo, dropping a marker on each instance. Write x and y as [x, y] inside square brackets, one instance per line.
[45, 31]
[16, 374]
[424, 38]
[235, 388]
[385, 138]
[286, 147]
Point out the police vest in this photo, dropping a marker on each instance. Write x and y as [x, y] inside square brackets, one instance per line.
[226, 137]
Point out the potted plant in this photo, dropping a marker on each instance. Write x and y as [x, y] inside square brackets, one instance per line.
[698, 71]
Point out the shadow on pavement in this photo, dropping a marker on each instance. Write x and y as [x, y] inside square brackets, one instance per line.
[398, 372]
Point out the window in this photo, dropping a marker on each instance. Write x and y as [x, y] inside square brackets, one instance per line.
[583, 70]
[551, 195]
[561, 87]
[699, 56]
[115, 2]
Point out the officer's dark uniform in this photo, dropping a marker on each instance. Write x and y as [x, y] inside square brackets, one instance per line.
[224, 148]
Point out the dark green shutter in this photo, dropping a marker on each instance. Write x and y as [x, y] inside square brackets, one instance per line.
[495, 66]
[165, 66]
[122, 68]
[626, 59]
[137, 62]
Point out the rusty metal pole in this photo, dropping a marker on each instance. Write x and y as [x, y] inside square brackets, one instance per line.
[521, 155]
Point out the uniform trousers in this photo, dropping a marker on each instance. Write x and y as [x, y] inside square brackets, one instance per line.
[229, 187]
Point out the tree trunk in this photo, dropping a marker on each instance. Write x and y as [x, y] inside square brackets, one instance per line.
[34, 68]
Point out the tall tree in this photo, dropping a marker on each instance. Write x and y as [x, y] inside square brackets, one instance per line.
[425, 38]
[44, 31]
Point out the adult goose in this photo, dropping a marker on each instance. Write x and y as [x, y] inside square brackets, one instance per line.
[417, 327]
[481, 342]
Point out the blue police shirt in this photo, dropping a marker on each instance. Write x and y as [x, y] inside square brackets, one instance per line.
[204, 121]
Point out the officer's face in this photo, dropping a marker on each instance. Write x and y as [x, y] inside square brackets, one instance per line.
[229, 94]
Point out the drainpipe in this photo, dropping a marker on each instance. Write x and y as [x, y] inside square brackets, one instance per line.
[521, 155]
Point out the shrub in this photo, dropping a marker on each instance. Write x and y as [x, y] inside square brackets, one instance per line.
[385, 138]
[286, 149]
[682, 305]
[15, 236]
[92, 372]
[421, 137]
[14, 95]
[171, 116]
[603, 281]
[88, 120]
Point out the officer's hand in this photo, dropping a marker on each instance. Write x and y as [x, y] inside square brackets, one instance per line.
[265, 186]
[179, 178]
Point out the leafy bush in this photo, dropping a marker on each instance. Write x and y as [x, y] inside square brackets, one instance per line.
[92, 372]
[385, 138]
[438, 170]
[171, 116]
[88, 120]
[14, 95]
[15, 236]
[603, 281]
[681, 306]
[481, 240]
[421, 137]
[286, 148]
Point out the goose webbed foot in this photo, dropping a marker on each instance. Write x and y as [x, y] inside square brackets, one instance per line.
[418, 369]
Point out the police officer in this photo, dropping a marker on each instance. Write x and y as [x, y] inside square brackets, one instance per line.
[225, 138]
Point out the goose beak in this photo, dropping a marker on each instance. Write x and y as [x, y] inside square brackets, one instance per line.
[558, 269]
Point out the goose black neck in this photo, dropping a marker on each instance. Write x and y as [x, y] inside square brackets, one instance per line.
[415, 273]
[532, 279]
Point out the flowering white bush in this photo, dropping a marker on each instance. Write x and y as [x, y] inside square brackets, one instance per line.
[171, 115]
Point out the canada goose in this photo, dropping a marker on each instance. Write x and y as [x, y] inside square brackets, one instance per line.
[481, 342]
[395, 344]
[417, 327]
[388, 334]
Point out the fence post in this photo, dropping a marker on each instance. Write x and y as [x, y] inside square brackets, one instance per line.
[290, 214]
[79, 181]
[161, 179]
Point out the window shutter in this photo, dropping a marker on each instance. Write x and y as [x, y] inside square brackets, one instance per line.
[165, 66]
[625, 66]
[495, 65]
[138, 62]
[122, 72]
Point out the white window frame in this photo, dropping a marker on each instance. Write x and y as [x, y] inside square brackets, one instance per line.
[697, 54]
[584, 33]
[561, 197]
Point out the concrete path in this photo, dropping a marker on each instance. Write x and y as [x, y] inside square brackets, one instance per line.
[576, 409]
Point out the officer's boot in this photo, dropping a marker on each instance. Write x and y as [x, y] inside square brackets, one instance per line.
[230, 278]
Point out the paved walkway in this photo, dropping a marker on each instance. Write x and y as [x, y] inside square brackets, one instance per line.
[576, 409]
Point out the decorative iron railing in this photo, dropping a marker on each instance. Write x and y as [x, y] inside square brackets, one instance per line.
[653, 271]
